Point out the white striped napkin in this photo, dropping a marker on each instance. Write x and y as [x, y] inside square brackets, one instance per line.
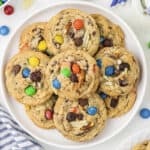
[12, 137]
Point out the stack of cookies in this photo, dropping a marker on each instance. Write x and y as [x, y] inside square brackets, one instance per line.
[73, 73]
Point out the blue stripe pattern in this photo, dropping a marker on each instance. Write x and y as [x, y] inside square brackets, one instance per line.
[12, 137]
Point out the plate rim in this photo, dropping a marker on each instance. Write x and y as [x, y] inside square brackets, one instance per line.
[144, 69]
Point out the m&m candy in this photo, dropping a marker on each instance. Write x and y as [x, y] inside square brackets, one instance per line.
[75, 68]
[103, 95]
[109, 70]
[4, 30]
[145, 113]
[30, 90]
[34, 61]
[48, 114]
[99, 63]
[59, 39]
[56, 84]
[92, 110]
[66, 72]
[78, 24]
[42, 46]
[8, 9]
[25, 72]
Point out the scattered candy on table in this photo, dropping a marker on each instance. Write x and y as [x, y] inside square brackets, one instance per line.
[4, 30]
[2, 2]
[115, 2]
[92, 110]
[8, 10]
[145, 113]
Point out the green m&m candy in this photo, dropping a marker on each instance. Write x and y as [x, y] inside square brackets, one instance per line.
[66, 72]
[30, 90]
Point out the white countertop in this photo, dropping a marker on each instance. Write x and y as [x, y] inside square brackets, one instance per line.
[140, 25]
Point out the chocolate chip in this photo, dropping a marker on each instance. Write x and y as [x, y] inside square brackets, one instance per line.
[94, 33]
[123, 82]
[83, 102]
[36, 76]
[114, 102]
[71, 34]
[78, 41]
[80, 116]
[74, 78]
[71, 116]
[122, 66]
[16, 69]
[107, 43]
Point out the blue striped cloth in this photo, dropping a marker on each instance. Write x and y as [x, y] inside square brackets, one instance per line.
[12, 137]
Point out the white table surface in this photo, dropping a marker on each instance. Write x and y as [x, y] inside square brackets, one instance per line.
[140, 25]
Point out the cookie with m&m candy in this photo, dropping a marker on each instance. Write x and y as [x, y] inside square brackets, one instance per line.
[26, 78]
[74, 30]
[73, 74]
[80, 119]
[32, 37]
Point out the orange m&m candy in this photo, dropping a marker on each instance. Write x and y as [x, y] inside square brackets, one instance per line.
[75, 68]
[78, 24]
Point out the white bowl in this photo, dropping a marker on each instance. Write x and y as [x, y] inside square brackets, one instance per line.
[53, 137]
[2, 6]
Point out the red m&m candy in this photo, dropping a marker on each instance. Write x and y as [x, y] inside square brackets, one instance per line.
[48, 114]
[8, 9]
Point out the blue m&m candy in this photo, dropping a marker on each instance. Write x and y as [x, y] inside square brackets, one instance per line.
[4, 1]
[99, 63]
[4, 30]
[145, 113]
[102, 39]
[25, 72]
[103, 95]
[92, 110]
[56, 84]
[109, 70]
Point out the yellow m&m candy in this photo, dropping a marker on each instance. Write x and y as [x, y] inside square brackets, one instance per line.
[59, 39]
[42, 46]
[34, 61]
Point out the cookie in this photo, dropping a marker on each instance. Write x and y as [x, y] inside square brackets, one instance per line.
[72, 29]
[73, 74]
[42, 114]
[118, 105]
[119, 71]
[80, 119]
[32, 38]
[26, 78]
[142, 146]
[110, 33]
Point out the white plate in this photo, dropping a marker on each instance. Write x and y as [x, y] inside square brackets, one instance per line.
[53, 137]
[135, 139]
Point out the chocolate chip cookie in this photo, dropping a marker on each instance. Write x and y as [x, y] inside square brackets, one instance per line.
[73, 74]
[32, 38]
[72, 29]
[80, 119]
[110, 33]
[26, 78]
[119, 71]
[142, 146]
[42, 114]
[118, 105]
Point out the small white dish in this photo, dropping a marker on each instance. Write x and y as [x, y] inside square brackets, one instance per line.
[53, 137]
